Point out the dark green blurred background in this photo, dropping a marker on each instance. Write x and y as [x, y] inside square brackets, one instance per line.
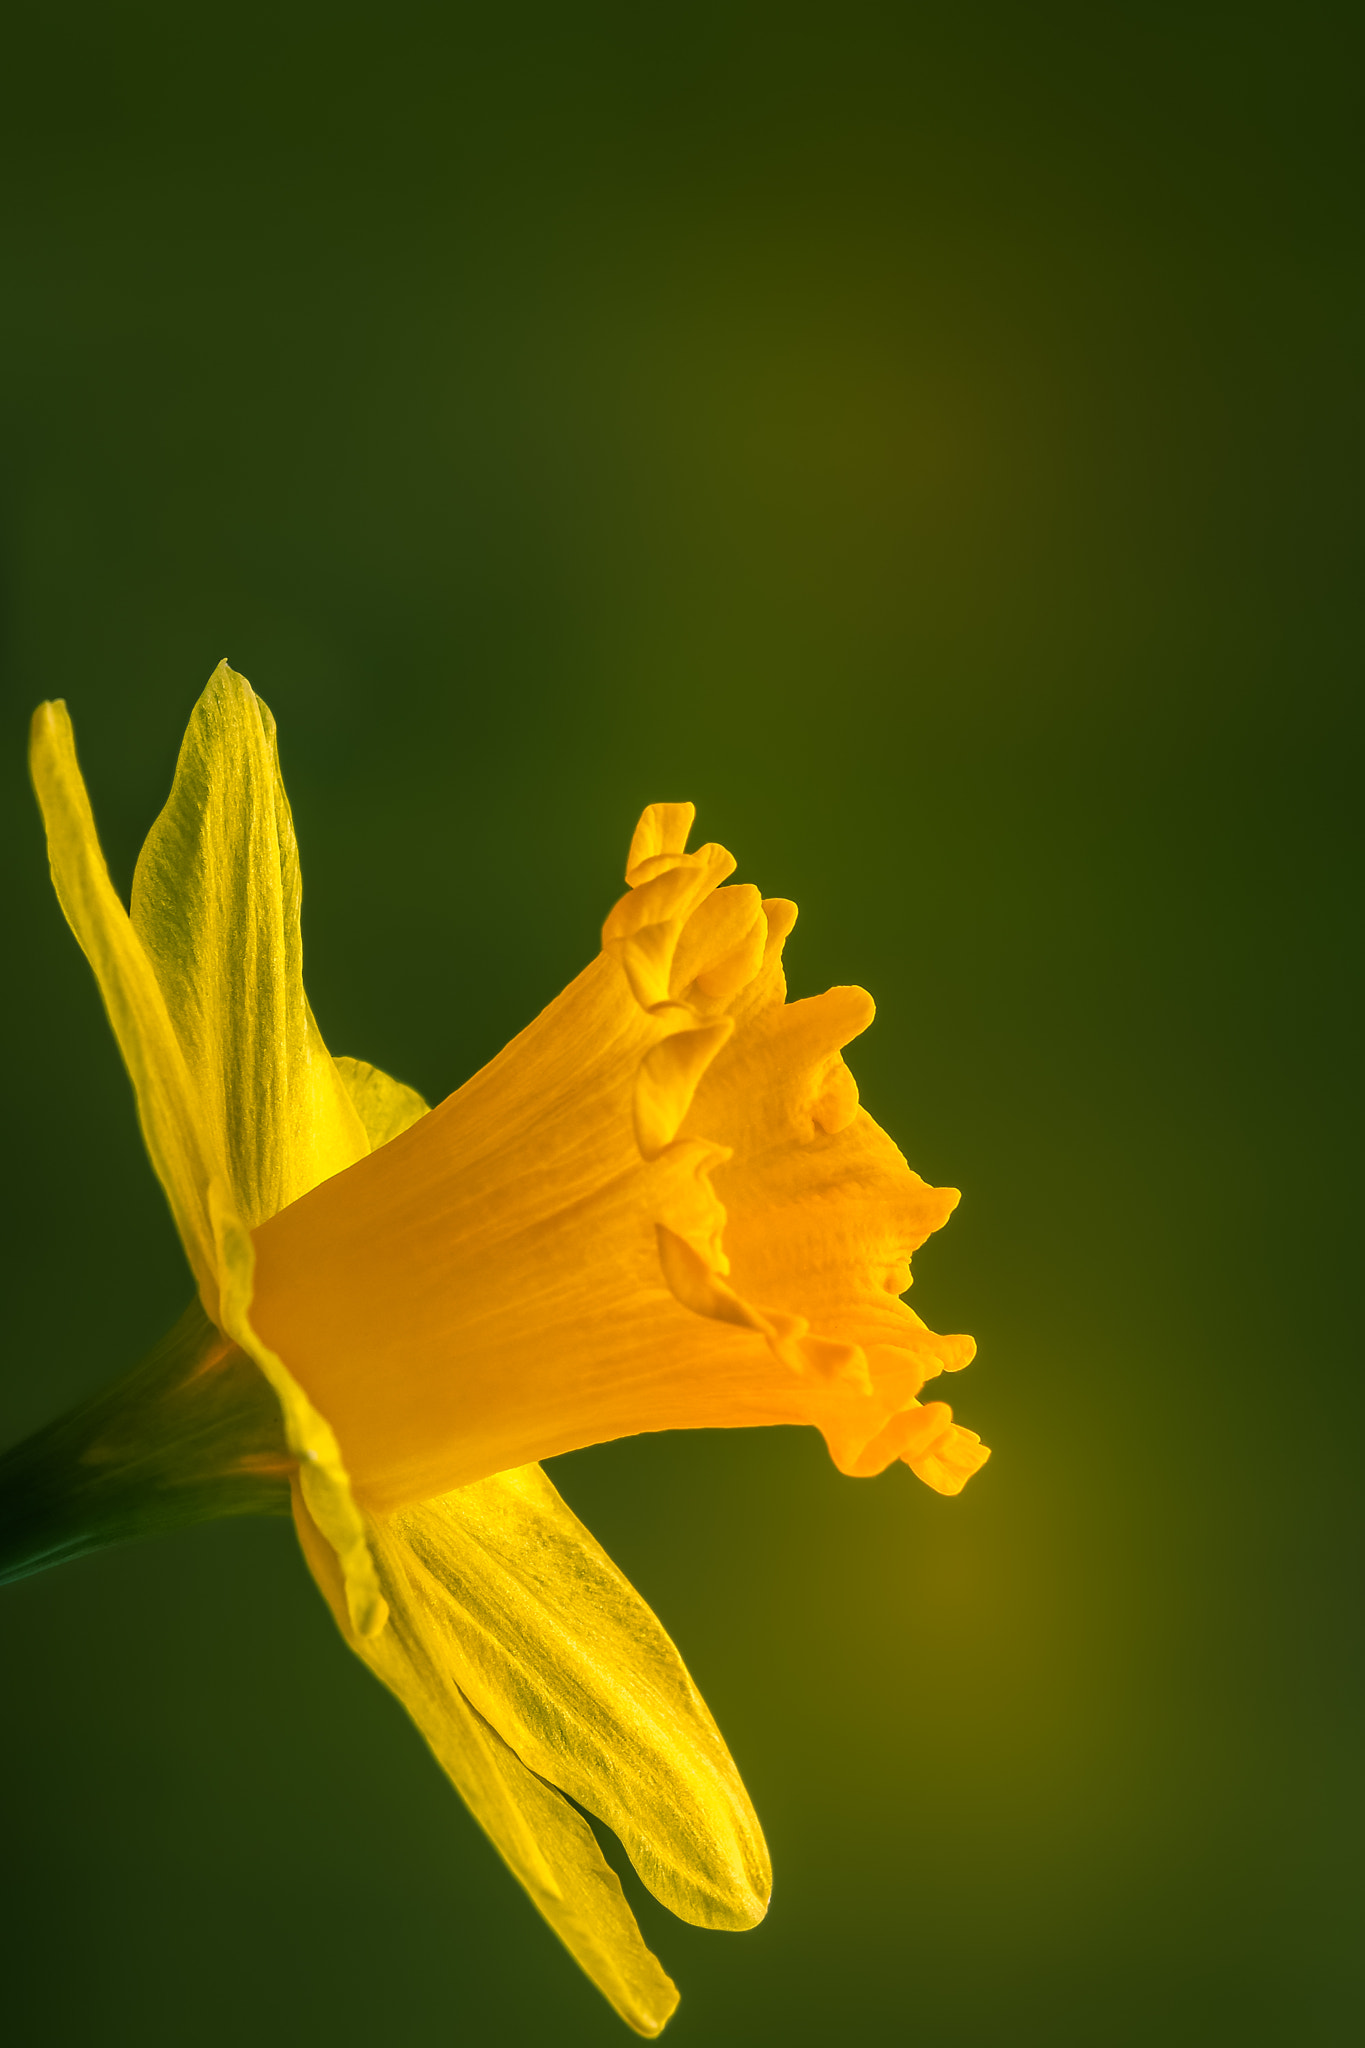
[926, 438]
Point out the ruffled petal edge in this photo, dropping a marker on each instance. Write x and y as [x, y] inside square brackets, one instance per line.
[701, 977]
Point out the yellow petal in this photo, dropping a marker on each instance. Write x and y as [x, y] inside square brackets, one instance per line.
[179, 1139]
[660, 1207]
[385, 1107]
[215, 904]
[558, 1651]
[240, 1104]
[322, 1477]
[548, 1846]
[663, 829]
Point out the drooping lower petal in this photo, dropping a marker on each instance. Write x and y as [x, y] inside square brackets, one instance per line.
[546, 1844]
[558, 1651]
[530, 1662]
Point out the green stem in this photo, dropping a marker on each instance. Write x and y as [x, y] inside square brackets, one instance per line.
[192, 1433]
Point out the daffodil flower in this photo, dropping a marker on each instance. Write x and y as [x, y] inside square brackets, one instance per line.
[659, 1208]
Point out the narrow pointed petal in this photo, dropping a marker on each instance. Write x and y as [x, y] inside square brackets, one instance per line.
[213, 979]
[178, 1141]
[558, 1651]
[546, 1845]
[215, 904]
